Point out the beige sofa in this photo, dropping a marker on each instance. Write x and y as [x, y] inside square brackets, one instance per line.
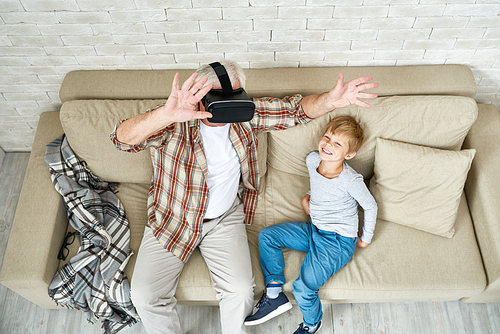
[425, 105]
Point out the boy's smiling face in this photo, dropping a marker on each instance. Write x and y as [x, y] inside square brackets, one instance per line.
[334, 148]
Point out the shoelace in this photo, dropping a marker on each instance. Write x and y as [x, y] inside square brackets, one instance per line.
[262, 301]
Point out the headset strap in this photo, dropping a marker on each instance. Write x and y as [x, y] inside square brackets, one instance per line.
[221, 72]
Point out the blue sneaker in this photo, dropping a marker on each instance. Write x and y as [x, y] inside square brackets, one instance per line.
[268, 309]
[305, 329]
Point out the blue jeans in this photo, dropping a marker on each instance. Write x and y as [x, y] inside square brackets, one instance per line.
[327, 252]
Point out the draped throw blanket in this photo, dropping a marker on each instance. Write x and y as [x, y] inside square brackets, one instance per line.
[94, 280]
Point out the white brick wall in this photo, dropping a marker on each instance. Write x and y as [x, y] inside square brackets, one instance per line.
[42, 40]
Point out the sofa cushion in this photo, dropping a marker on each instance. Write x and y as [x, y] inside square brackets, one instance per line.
[88, 125]
[419, 186]
[435, 121]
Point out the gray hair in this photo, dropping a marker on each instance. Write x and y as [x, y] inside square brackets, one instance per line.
[234, 71]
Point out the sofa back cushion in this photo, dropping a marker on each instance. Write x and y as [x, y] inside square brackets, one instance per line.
[88, 125]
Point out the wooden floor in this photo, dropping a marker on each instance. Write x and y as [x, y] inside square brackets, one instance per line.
[19, 316]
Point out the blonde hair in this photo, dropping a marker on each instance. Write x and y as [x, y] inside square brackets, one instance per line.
[348, 127]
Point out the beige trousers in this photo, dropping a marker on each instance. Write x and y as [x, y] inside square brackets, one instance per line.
[224, 247]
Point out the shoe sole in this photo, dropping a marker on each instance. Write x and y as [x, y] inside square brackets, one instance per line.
[281, 309]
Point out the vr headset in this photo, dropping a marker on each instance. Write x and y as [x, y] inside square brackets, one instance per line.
[227, 105]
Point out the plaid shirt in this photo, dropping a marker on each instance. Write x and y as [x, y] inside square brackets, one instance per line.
[178, 195]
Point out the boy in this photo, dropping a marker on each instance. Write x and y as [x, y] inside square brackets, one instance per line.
[331, 237]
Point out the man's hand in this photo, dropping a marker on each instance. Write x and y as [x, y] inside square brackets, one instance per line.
[342, 95]
[180, 107]
[181, 104]
[347, 93]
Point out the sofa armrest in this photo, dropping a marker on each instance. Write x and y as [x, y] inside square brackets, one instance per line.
[483, 196]
[39, 225]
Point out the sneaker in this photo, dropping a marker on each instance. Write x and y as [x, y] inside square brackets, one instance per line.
[268, 309]
[305, 329]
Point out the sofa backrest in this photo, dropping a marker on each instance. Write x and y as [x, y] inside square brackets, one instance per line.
[94, 101]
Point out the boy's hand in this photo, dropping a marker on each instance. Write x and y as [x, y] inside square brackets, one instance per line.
[361, 243]
[305, 204]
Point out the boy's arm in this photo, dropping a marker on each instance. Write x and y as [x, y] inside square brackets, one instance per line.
[359, 191]
[305, 203]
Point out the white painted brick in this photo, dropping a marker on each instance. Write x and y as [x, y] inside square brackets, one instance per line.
[104, 5]
[193, 37]
[337, 2]
[484, 22]
[277, 2]
[387, 23]
[457, 54]
[150, 59]
[153, 39]
[273, 46]
[416, 10]
[325, 46]
[19, 29]
[323, 63]
[119, 28]
[476, 44]
[32, 70]
[112, 50]
[467, 33]
[406, 62]
[176, 66]
[428, 44]
[5, 41]
[171, 48]
[273, 64]
[199, 57]
[372, 62]
[298, 56]
[83, 17]
[329, 24]
[298, 35]
[63, 70]
[172, 27]
[487, 54]
[377, 45]
[36, 40]
[49, 5]
[250, 13]
[222, 47]
[51, 79]
[29, 17]
[360, 11]
[13, 61]
[65, 29]
[11, 6]
[472, 10]
[162, 4]
[305, 12]
[21, 98]
[399, 54]
[226, 25]
[349, 55]
[390, 2]
[447, 1]
[87, 40]
[492, 33]
[19, 79]
[138, 16]
[70, 50]
[441, 22]
[52, 60]
[101, 60]
[404, 34]
[194, 14]
[250, 57]
[219, 3]
[291, 24]
[366, 34]
[22, 51]
[243, 37]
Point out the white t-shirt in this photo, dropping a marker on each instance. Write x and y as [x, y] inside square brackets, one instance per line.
[224, 169]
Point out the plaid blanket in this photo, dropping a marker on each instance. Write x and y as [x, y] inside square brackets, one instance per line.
[94, 280]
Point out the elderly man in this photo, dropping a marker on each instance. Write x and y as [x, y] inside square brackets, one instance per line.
[204, 190]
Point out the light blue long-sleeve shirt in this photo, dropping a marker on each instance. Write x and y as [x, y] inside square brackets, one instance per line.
[334, 202]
